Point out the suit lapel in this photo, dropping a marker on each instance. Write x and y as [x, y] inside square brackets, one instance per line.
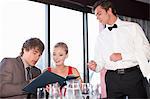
[21, 65]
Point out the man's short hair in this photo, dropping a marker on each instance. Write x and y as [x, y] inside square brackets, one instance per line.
[105, 4]
[32, 43]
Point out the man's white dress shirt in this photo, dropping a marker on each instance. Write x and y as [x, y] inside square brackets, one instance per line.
[129, 40]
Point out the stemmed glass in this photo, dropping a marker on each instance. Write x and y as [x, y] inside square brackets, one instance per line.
[86, 89]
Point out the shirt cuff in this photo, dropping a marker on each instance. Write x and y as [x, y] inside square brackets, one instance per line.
[148, 77]
[124, 56]
[97, 69]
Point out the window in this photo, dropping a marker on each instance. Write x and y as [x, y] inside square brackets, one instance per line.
[94, 27]
[67, 26]
[19, 21]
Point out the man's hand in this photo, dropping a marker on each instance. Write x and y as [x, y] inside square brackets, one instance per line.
[92, 65]
[35, 71]
[116, 57]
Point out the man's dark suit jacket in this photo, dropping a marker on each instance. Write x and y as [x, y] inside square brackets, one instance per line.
[12, 78]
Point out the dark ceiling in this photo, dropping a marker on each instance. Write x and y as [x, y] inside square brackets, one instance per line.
[130, 8]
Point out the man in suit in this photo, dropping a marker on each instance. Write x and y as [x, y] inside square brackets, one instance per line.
[13, 73]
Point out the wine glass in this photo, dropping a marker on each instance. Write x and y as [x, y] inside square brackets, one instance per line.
[86, 89]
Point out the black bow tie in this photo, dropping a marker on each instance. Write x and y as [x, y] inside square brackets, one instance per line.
[114, 26]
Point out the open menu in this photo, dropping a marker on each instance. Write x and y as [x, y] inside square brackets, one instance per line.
[46, 78]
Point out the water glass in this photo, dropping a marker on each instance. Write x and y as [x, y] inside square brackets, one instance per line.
[73, 90]
[97, 91]
[41, 93]
[54, 91]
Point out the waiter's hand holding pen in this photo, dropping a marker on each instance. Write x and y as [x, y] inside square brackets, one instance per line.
[92, 65]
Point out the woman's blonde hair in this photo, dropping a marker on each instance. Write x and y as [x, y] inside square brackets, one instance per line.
[62, 45]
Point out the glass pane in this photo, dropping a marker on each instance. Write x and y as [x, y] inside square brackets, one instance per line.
[19, 21]
[67, 26]
[94, 28]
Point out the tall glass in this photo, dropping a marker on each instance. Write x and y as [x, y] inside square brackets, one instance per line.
[41, 93]
[73, 90]
[97, 91]
[54, 91]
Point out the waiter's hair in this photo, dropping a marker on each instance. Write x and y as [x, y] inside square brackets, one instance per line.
[105, 4]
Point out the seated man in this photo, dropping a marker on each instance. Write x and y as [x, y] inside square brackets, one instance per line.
[14, 74]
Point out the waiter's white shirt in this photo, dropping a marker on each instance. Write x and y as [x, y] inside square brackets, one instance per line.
[129, 40]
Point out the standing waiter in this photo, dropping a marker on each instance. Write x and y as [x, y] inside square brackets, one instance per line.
[124, 51]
